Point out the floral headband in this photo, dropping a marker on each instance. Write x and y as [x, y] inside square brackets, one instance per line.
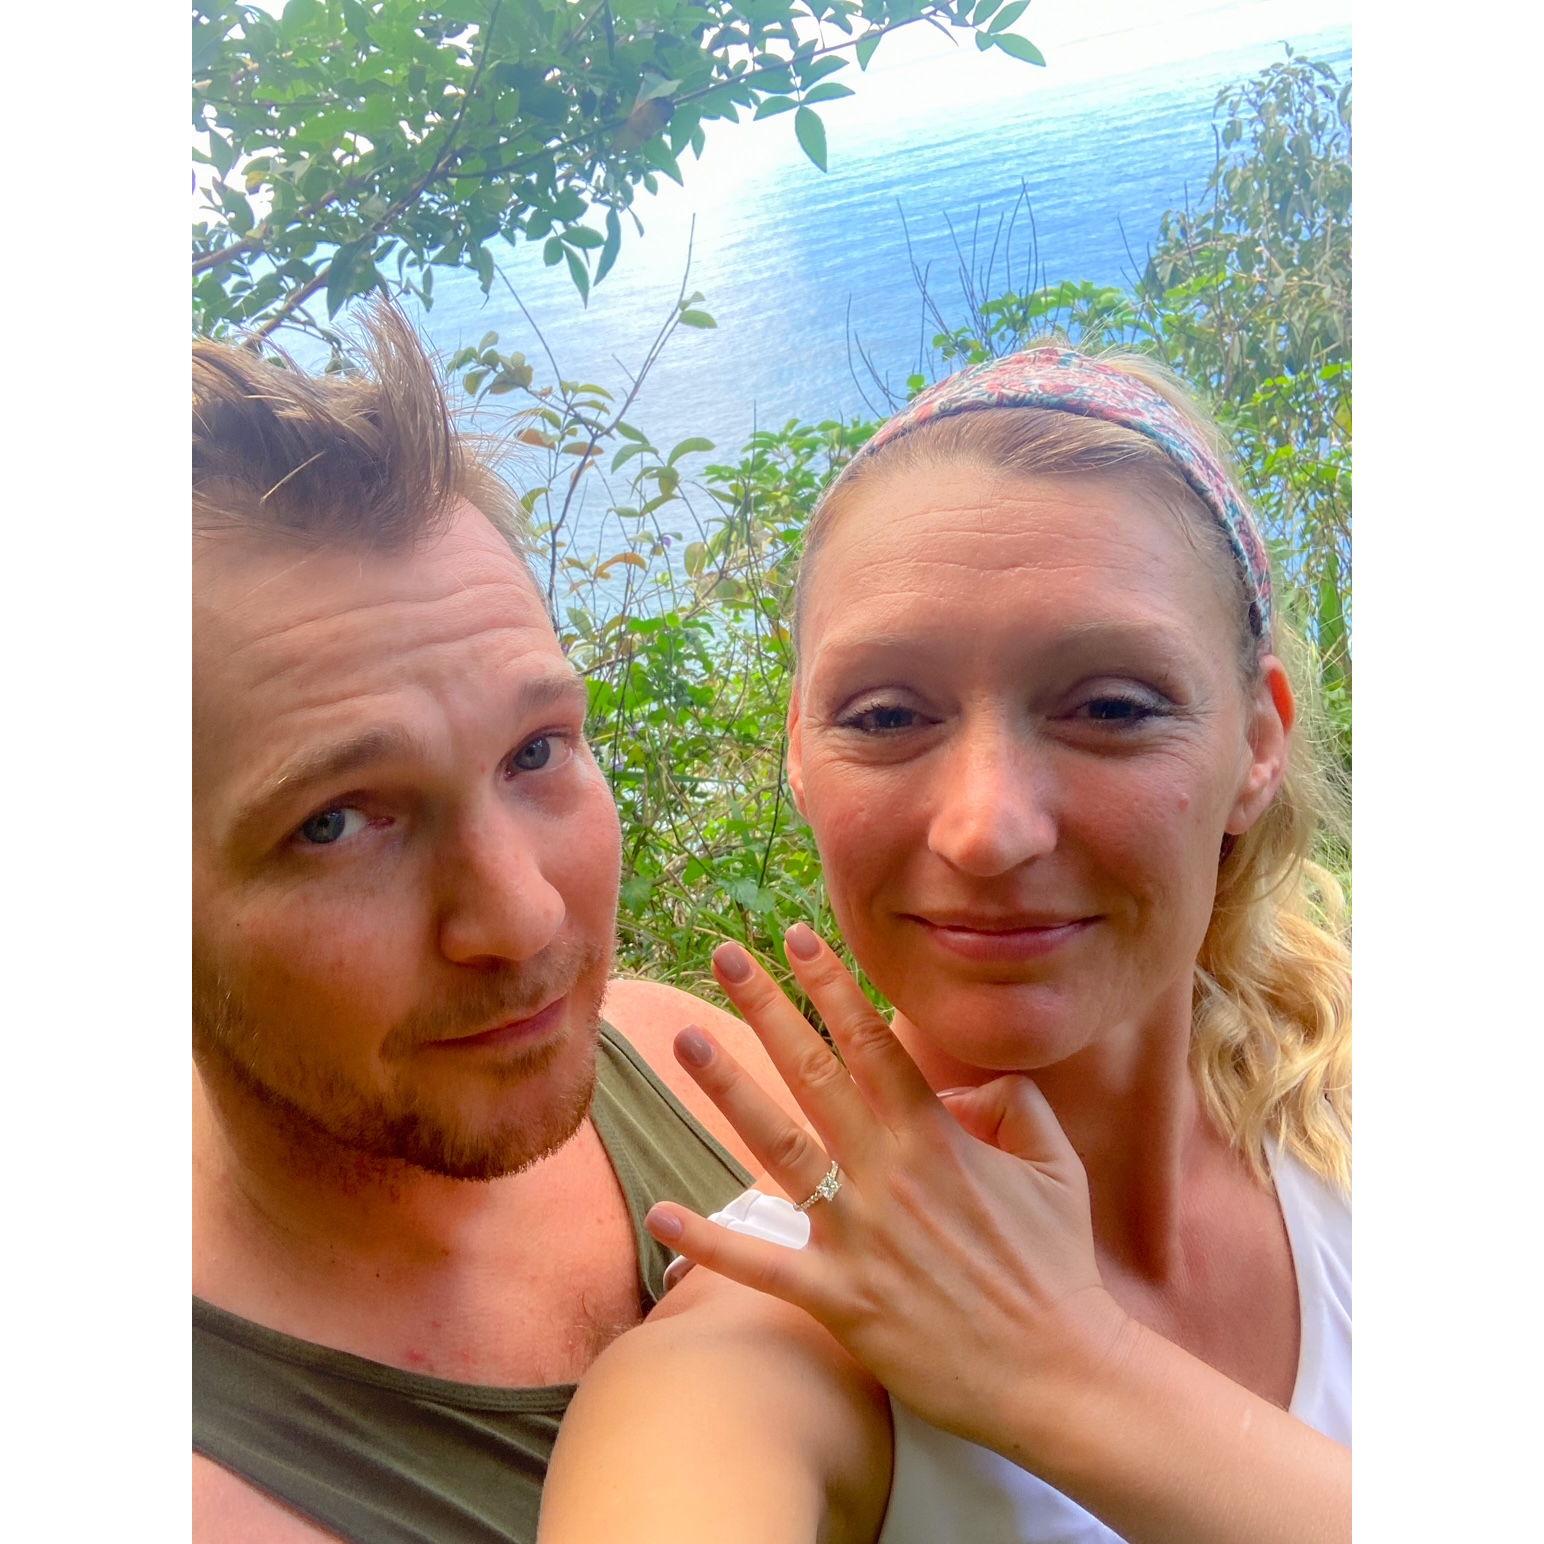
[1066, 381]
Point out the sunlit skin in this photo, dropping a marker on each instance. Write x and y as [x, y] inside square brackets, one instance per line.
[1022, 704]
[364, 920]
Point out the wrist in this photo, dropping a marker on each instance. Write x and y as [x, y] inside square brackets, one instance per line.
[1053, 1403]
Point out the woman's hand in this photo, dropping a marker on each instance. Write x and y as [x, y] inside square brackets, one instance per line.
[956, 1261]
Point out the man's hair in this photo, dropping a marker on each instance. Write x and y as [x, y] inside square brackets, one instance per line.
[368, 458]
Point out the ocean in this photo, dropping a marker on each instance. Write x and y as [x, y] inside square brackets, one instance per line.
[793, 263]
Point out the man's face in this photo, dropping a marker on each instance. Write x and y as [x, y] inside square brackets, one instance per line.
[405, 859]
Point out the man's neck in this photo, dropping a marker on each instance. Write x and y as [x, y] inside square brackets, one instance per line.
[298, 1194]
[461, 1278]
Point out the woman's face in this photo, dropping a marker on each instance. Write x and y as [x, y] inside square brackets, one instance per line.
[1020, 733]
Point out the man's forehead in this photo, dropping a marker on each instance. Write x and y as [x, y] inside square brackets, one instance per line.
[255, 574]
[286, 634]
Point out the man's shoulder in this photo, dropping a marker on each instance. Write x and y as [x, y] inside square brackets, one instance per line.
[226, 1507]
[650, 1014]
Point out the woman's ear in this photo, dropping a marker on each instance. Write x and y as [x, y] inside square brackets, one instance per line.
[795, 749]
[1271, 716]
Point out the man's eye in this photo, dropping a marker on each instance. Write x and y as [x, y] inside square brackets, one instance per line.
[328, 827]
[545, 750]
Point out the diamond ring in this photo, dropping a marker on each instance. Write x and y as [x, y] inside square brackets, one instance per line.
[827, 1188]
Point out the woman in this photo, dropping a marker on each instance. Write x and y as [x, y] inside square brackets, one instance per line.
[1080, 1207]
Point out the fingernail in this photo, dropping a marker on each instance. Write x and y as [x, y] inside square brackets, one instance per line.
[693, 1047]
[663, 1224]
[801, 941]
[733, 963]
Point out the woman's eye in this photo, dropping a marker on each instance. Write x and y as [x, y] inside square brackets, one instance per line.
[328, 827]
[881, 719]
[544, 751]
[1118, 710]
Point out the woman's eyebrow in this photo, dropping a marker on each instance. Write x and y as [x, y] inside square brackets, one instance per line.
[884, 649]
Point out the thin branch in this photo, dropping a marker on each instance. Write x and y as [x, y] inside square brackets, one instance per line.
[298, 297]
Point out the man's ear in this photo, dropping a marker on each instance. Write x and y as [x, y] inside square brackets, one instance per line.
[795, 749]
[1271, 716]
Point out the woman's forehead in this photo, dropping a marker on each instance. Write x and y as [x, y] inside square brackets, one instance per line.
[961, 546]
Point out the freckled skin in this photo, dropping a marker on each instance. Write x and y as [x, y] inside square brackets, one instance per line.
[320, 972]
[997, 617]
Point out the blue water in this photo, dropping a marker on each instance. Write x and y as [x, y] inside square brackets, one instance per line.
[783, 253]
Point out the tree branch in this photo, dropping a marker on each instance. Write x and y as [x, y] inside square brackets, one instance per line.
[298, 297]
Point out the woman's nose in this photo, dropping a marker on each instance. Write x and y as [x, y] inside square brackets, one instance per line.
[991, 812]
[500, 905]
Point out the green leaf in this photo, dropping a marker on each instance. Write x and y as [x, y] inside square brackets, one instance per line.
[773, 105]
[340, 275]
[657, 153]
[812, 135]
[865, 49]
[206, 46]
[1006, 17]
[682, 126]
[583, 236]
[828, 91]
[221, 152]
[579, 274]
[484, 265]
[628, 432]
[697, 319]
[1020, 48]
[552, 252]
[688, 447]
[608, 253]
[662, 88]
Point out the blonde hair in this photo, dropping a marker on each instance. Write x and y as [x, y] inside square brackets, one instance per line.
[1271, 1021]
[370, 458]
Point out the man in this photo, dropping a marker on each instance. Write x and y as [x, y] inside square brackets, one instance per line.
[427, 1124]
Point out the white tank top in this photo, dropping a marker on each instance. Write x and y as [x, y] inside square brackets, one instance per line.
[945, 1488]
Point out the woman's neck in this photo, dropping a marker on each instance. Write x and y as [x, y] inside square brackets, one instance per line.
[1129, 1105]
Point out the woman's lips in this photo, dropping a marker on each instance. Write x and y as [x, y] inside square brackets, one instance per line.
[1006, 939]
[516, 1032]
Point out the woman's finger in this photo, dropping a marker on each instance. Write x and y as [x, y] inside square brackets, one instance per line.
[779, 1270]
[815, 1077]
[876, 1061]
[1012, 1114]
[789, 1153]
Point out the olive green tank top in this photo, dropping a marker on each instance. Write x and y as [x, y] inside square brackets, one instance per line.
[383, 1456]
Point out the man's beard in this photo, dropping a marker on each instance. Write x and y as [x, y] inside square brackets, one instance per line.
[317, 1106]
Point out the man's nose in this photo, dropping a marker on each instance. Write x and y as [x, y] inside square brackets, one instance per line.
[992, 810]
[499, 904]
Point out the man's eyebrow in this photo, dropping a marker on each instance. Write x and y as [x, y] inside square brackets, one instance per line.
[324, 764]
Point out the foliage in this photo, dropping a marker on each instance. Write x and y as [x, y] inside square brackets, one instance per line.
[670, 580]
[351, 144]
